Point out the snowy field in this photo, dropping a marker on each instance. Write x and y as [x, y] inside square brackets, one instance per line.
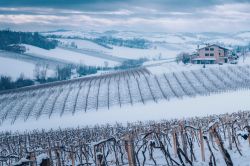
[68, 56]
[159, 51]
[168, 66]
[152, 53]
[228, 102]
[13, 68]
[84, 44]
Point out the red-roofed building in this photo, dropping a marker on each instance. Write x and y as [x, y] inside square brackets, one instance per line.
[212, 54]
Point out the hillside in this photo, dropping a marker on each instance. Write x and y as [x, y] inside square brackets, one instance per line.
[152, 111]
[119, 90]
[69, 56]
[80, 47]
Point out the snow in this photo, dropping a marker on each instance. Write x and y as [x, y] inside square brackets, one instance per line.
[67, 98]
[245, 60]
[242, 133]
[169, 66]
[241, 38]
[68, 56]
[172, 38]
[228, 102]
[244, 35]
[22, 160]
[41, 157]
[211, 124]
[158, 50]
[164, 45]
[14, 68]
[229, 41]
[85, 44]
[135, 53]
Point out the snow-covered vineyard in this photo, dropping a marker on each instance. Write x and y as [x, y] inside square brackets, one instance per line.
[212, 140]
[117, 89]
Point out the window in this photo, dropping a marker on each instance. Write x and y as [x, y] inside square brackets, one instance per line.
[211, 49]
[211, 54]
[207, 49]
[206, 54]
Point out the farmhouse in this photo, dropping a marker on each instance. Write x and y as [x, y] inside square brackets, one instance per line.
[212, 54]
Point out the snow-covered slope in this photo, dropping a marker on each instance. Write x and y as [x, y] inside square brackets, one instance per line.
[186, 108]
[84, 44]
[241, 38]
[162, 45]
[13, 68]
[122, 89]
[169, 65]
[68, 56]
[156, 52]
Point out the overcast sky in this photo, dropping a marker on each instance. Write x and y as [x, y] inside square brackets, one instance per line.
[137, 15]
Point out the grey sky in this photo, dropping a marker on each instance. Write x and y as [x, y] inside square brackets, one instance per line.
[139, 15]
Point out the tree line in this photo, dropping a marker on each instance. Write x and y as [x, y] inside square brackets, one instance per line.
[131, 63]
[131, 43]
[10, 41]
[6, 82]
[41, 75]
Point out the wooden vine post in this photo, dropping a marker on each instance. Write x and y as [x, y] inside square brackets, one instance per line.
[50, 152]
[99, 156]
[202, 145]
[57, 152]
[229, 138]
[21, 148]
[175, 143]
[248, 129]
[183, 139]
[72, 155]
[129, 146]
[249, 139]
[219, 142]
[228, 120]
[33, 158]
[99, 159]
[45, 162]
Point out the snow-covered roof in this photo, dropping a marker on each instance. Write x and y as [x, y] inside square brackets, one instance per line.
[213, 45]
